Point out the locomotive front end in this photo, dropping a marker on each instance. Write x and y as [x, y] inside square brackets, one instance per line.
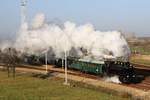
[125, 71]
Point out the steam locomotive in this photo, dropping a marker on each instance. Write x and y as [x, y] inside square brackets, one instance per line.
[124, 70]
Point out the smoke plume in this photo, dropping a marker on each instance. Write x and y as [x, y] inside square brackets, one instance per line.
[79, 41]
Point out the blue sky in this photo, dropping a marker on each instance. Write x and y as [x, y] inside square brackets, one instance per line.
[105, 15]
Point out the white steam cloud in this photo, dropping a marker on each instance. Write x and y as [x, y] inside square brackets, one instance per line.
[113, 79]
[41, 36]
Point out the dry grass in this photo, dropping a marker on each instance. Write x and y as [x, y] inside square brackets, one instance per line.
[141, 59]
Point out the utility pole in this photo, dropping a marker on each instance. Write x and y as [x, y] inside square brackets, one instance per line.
[46, 62]
[66, 77]
[66, 74]
[62, 63]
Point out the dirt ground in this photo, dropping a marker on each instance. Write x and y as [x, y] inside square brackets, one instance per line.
[144, 57]
[141, 60]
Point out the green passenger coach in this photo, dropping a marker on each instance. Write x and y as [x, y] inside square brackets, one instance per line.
[95, 67]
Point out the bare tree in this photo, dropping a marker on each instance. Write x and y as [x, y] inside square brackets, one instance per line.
[10, 59]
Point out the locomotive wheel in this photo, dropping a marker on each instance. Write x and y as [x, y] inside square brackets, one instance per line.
[124, 79]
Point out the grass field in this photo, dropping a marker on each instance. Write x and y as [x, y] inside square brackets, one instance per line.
[26, 87]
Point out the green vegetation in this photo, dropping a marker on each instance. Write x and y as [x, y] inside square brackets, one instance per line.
[141, 50]
[26, 87]
[140, 46]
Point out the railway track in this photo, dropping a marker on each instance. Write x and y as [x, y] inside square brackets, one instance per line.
[60, 70]
[144, 85]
